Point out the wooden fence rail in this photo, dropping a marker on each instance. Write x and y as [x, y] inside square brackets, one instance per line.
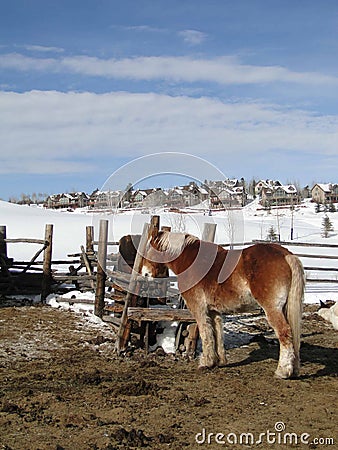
[305, 258]
[88, 257]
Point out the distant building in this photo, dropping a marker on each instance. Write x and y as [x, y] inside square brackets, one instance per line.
[146, 198]
[105, 199]
[227, 193]
[265, 184]
[280, 196]
[71, 200]
[188, 195]
[325, 193]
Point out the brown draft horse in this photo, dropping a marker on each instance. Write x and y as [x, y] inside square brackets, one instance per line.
[213, 280]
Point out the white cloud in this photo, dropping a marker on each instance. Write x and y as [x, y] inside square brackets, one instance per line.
[43, 49]
[145, 28]
[222, 70]
[45, 131]
[193, 37]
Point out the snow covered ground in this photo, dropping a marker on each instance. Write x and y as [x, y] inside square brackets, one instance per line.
[237, 226]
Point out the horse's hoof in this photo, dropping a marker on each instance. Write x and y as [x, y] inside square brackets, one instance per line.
[222, 363]
[283, 375]
[295, 374]
[203, 369]
[280, 376]
[296, 370]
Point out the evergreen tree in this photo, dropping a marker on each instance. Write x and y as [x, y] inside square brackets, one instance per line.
[272, 234]
[317, 209]
[326, 226]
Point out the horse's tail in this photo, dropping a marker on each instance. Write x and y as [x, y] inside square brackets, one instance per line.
[294, 305]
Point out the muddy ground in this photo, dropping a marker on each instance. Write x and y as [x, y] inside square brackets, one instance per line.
[62, 387]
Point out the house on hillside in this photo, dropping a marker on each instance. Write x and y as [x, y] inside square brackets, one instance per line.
[105, 199]
[67, 200]
[265, 184]
[229, 183]
[325, 193]
[188, 195]
[227, 197]
[280, 196]
[194, 194]
[175, 198]
[147, 198]
[227, 193]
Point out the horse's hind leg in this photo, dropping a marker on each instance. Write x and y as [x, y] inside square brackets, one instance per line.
[286, 363]
[219, 338]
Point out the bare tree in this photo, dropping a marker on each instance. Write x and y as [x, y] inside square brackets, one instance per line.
[177, 222]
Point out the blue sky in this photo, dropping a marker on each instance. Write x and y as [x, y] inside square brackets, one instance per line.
[87, 86]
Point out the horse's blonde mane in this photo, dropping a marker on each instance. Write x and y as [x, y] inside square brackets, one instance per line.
[174, 243]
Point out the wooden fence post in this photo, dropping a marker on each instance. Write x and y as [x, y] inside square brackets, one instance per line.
[3, 245]
[3, 249]
[155, 224]
[154, 230]
[165, 228]
[191, 332]
[124, 330]
[90, 239]
[47, 263]
[101, 269]
[209, 232]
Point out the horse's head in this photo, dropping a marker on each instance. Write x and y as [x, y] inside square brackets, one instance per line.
[162, 251]
[154, 259]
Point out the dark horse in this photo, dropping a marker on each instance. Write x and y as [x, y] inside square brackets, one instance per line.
[213, 280]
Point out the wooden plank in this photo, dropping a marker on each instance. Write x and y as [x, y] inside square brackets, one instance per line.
[47, 263]
[109, 243]
[114, 321]
[304, 255]
[40, 263]
[315, 280]
[34, 258]
[3, 246]
[209, 232]
[159, 314]
[165, 228]
[285, 243]
[124, 330]
[87, 264]
[155, 224]
[297, 244]
[89, 239]
[101, 269]
[114, 308]
[25, 240]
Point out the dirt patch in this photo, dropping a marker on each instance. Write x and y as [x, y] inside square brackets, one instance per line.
[62, 387]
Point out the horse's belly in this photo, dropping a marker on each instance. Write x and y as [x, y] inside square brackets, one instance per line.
[239, 299]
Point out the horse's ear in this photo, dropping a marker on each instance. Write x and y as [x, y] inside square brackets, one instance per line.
[322, 304]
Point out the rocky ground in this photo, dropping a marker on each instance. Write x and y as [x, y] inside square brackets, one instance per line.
[62, 387]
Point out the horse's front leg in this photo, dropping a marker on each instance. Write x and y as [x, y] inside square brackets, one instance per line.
[205, 322]
[219, 338]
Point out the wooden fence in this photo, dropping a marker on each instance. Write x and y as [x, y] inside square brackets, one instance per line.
[94, 269]
[325, 274]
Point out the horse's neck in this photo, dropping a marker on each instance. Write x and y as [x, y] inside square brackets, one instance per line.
[184, 260]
